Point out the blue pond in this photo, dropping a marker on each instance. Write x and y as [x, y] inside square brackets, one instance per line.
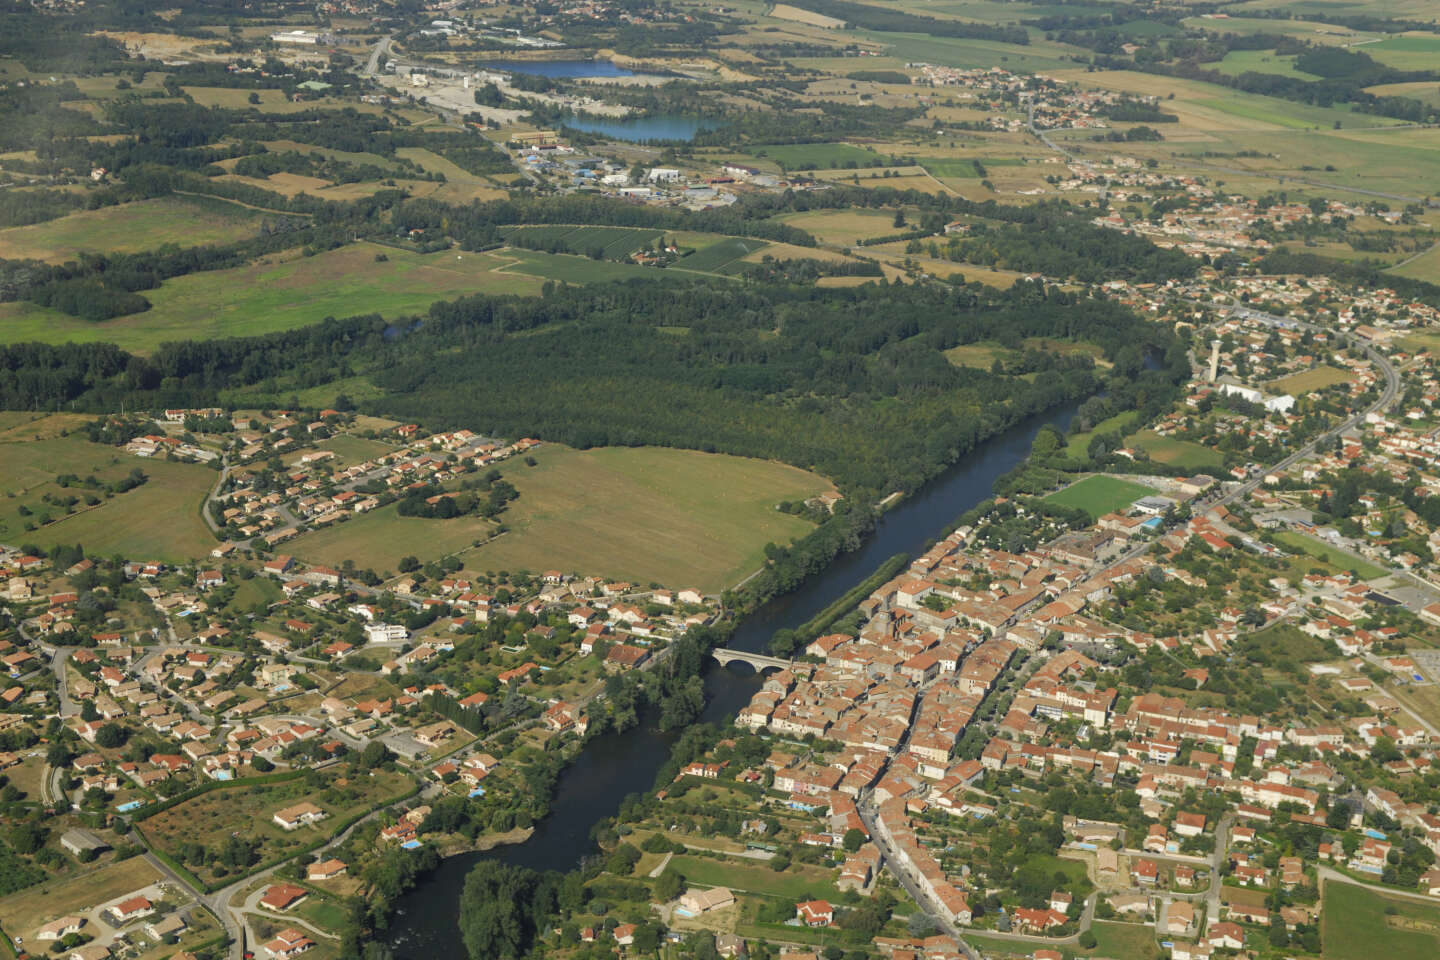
[660, 127]
[560, 69]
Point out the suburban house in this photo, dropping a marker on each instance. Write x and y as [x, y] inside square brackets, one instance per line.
[326, 870]
[815, 913]
[292, 818]
[283, 896]
[288, 943]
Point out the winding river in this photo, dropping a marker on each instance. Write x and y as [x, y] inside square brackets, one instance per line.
[592, 787]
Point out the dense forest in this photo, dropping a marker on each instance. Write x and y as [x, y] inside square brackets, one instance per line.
[849, 382]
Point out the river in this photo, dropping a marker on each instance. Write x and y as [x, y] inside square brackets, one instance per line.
[613, 766]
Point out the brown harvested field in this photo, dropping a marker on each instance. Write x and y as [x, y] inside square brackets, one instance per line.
[286, 184]
[21, 913]
[783, 11]
[844, 227]
[789, 251]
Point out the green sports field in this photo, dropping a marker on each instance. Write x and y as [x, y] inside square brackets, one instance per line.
[1099, 495]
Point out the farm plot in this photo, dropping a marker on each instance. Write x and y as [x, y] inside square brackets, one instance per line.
[721, 255]
[614, 243]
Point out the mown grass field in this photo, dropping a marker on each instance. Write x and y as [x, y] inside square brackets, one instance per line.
[1309, 380]
[1113, 941]
[824, 156]
[280, 292]
[1178, 453]
[1237, 62]
[1354, 922]
[21, 913]
[1322, 551]
[645, 514]
[796, 884]
[158, 520]
[1099, 495]
[130, 227]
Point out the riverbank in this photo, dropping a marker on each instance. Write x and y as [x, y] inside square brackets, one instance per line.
[485, 844]
[614, 765]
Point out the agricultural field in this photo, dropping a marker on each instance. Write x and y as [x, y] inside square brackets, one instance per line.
[1355, 919]
[954, 167]
[125, 523]
[1237, 62]
[645, 514]
[1308, 381]
[211, 818]
[571, 268]
[1099, 495]
[722, 254]
[280, 292]
[131, 227]
[815, 156]
[614, 243]
[844, 227]
[1412, 51]
[1424, 267]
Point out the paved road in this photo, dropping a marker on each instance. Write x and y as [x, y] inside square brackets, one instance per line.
[380, 49]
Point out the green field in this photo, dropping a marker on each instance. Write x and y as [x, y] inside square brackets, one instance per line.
[1099, 495]
[796, 884]
[1322, 551]
[962, 52]
[643, 514]
[159, 520]
[814, 156]
[1424, 267]
[1309, 380]
[570, 268]
[721, 254]
[279, 293]
[1177, 453]
[953, 167]
[1237, 62]
[1412, 52]
[613, 242]
[1113, 941]
[1355, 921]
[1077, 444]
[130, 227]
